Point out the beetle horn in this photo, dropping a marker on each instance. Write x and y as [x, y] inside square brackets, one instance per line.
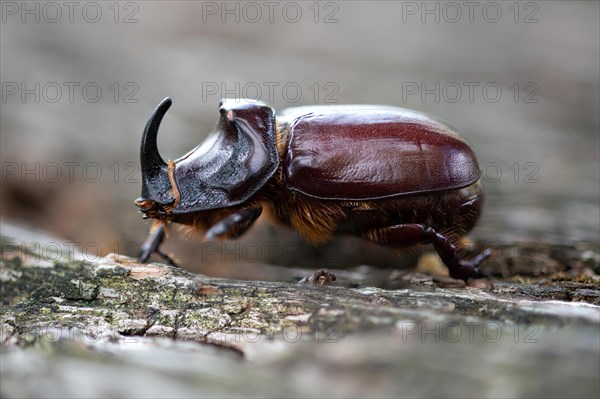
[150, 157]
[154, 168]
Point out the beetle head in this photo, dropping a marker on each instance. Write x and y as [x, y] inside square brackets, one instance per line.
[157, 193]
[235, 161]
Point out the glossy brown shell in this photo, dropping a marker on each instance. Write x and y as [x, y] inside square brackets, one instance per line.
[233, 163]
[373, 152]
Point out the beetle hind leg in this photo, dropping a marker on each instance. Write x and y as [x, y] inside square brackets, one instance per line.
[404, 235]
[459, 268]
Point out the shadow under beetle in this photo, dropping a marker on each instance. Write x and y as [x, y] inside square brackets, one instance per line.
[389, 175]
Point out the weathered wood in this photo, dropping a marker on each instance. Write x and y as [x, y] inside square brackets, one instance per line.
[115, 327]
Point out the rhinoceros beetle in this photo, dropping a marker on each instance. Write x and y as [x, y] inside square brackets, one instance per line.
[390, 175]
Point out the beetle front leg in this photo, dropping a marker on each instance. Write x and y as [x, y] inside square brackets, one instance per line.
[152, 244]
[235, 224]
[404, 235]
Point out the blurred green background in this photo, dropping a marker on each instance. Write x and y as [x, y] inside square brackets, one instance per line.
[519, 79]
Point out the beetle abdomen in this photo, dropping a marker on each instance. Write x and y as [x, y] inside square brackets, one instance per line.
[366, 152]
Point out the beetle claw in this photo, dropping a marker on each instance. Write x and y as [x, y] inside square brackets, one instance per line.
[476, 261]
[476, 273]
[469, 269]
[167, 258]
[144, 255]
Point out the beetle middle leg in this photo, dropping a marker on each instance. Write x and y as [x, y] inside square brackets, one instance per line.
[235, 224]
[404, 235]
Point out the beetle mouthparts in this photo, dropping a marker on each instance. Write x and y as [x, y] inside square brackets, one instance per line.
[152, 210]
[144, 204]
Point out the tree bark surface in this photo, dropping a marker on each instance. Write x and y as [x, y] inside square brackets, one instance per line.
[112, 327]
